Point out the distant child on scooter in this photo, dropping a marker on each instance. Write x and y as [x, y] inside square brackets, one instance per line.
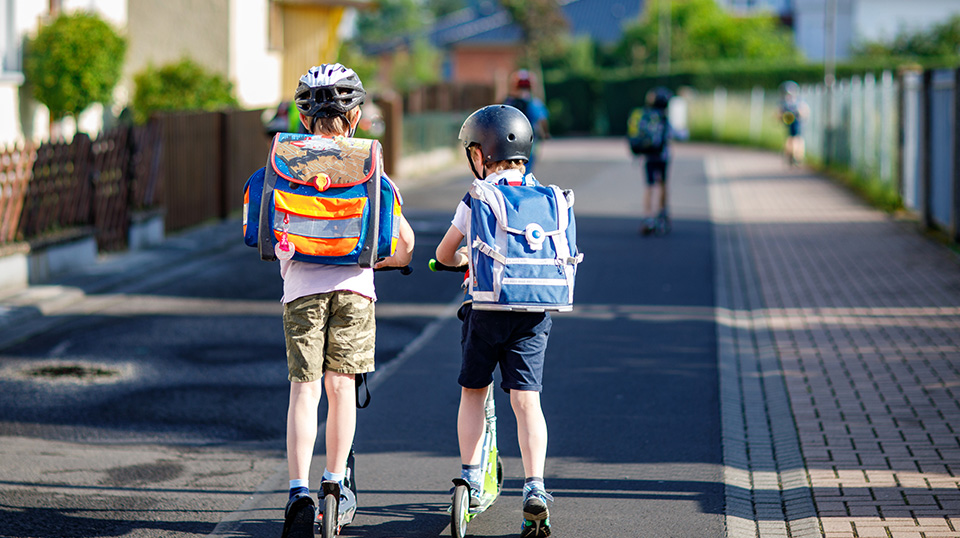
[498, 141]
[649, 133]
[328, 319]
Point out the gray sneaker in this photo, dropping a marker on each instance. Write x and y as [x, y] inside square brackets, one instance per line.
[536, 516]
[347, 507]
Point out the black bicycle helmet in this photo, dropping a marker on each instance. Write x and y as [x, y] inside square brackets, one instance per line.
[329, 90]
[503, 132]
[661, 97]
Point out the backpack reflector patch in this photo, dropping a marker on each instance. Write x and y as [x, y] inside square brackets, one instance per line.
[327, 197]
[523, 251]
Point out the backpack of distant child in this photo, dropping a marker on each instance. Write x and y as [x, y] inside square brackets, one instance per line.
[647, 131]
[523, 247]
[518, 103]
[322, 200]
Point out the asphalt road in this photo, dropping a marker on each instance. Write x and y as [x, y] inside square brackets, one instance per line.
[177, 429]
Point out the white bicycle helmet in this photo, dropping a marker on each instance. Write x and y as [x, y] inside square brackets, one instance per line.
[329, 90]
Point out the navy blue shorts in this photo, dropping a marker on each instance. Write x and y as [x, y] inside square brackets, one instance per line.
[656, 171]
[516, 341]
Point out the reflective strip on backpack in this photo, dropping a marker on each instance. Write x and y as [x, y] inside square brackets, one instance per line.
[246, 209]
[535, 281]
[319, 226]
[319, 229]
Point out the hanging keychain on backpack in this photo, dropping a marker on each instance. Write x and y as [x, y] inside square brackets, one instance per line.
[285, 249]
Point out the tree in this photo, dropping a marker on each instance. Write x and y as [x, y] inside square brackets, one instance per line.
[545, 30]
[939, 40]
[73, 62]
[701, 30]
[184, 85]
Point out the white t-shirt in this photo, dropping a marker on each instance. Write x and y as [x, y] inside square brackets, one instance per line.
[462, 215]
[301, 279]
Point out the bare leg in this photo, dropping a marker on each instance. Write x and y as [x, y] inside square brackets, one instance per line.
[470, 425]
[531, 430]
[663, 193]
[302, 427]
[341, 419]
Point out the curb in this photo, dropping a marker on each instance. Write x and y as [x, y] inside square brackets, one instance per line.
[20, 308]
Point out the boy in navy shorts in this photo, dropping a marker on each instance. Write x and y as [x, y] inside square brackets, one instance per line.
[498, 140]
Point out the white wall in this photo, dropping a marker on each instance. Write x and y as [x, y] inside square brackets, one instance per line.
[254, 70]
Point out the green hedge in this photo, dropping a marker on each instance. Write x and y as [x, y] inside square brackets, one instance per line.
[600, 103]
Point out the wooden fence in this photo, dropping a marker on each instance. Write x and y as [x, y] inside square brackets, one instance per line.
[207, 159]
[192, 166]
[54, 190]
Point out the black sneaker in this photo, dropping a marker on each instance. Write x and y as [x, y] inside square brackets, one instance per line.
[299, 517]
[536, 516]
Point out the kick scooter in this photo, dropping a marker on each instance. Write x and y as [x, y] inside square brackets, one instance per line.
[660, 225]
[491, 466]
[492, 469]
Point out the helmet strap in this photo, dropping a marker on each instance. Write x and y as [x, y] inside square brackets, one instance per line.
[472, 166]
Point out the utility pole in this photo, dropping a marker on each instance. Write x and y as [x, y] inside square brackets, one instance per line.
[829, 74]
[663, 34]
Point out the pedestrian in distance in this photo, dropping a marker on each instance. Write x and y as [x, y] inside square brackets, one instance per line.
[521, 97]
[498, 140]
[649, 134]
[792, 112]
[328, 316]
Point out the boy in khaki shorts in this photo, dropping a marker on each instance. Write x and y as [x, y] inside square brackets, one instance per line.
[328, 319]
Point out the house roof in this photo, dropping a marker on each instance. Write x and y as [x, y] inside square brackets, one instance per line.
[487, 22]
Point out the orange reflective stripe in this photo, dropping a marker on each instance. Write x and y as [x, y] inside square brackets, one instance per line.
[317, 207]
[321, 247]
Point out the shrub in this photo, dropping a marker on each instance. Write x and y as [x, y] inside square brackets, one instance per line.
[182, 86]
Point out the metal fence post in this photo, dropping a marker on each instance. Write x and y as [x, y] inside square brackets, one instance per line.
[955, 129]
[924, 175]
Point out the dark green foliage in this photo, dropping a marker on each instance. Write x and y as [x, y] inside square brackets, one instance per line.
[184, 85]
[940, 40]
[73, 62]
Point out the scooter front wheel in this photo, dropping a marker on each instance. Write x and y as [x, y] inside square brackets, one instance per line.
[458, 513]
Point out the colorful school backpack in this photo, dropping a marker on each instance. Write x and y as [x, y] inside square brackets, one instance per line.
[324, 198]
[523, 247]
[647, 131]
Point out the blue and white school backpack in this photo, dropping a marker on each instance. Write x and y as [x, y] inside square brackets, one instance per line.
[523, 247]
[324, 198]
[647, 131]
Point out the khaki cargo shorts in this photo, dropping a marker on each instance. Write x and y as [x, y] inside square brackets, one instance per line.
[333, 331]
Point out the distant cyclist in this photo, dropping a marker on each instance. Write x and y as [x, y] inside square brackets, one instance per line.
[792, 111]
[521, 97]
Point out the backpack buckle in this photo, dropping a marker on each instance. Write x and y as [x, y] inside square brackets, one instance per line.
[535, 235]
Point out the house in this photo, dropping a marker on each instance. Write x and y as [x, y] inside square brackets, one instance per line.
[481, 44]
[261, 46]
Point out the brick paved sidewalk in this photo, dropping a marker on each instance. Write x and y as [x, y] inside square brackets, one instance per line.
[840, 360]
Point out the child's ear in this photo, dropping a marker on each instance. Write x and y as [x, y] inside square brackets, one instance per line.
[356, 118]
